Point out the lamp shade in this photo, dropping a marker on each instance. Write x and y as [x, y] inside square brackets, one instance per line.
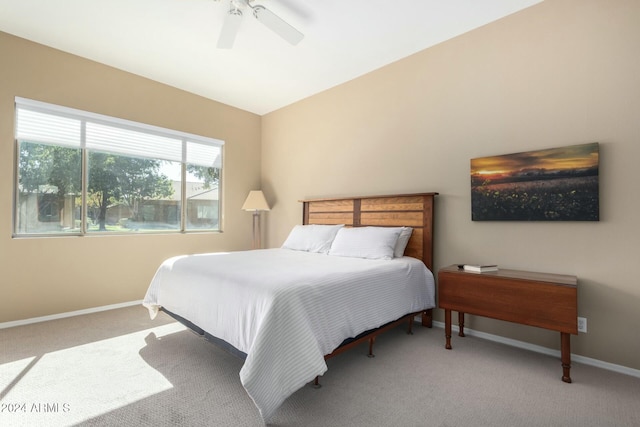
[255, 202]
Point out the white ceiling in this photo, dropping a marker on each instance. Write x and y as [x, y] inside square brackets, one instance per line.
[174, 41]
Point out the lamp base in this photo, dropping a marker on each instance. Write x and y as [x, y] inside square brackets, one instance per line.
[257, 244]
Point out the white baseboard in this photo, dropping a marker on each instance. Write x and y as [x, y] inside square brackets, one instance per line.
[68, 314]
[490, 337]
[544, 350]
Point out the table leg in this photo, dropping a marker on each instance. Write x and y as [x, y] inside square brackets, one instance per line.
[447, 328]
[461, 324]
[565, 352]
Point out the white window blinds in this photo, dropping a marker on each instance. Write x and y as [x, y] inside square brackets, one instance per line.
[51, 124]
[204, 154]
[36, 126]
[132, 143]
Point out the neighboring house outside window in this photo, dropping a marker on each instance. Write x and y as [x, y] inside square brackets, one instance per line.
[81, 173]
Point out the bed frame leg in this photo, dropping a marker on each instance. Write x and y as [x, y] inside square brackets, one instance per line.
[316, 383]
[410, 331]
[371, 341]
[427, 318]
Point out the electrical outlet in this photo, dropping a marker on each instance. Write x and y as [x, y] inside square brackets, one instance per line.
[582, 324]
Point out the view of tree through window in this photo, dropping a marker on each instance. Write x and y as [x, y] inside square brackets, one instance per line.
[49, 183]
[123, 185]
[80, 173]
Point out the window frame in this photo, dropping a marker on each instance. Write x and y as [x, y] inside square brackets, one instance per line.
[186, 158]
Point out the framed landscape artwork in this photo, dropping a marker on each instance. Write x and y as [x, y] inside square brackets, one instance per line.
[558, 184]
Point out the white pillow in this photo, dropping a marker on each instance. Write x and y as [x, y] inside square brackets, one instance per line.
[311, 238]
[403, 240]
[366, 242]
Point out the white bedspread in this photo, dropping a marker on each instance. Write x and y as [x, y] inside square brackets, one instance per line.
[286, 309]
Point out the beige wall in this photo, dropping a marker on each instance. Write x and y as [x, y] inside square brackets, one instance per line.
[563, 72]
[46, 276]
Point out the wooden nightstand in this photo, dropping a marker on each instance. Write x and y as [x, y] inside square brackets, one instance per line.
[544, 300]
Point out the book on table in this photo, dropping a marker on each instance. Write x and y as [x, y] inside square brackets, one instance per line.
[480, 268]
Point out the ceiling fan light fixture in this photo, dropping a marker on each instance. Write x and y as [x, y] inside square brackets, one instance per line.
[277, 24]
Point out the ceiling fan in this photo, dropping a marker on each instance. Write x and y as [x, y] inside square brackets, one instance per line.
[262, 14]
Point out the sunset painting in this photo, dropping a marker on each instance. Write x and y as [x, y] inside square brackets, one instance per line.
[558, 184]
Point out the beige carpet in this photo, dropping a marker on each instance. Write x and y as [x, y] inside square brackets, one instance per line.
[118, 368]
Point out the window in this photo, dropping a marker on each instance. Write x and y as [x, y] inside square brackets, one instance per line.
[83, 173]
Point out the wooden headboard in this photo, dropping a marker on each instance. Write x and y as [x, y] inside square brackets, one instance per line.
[409, 210]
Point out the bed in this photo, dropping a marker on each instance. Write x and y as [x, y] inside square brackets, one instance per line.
[337, 281]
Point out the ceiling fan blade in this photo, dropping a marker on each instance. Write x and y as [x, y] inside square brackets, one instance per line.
[277, 25]
[230, 29]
